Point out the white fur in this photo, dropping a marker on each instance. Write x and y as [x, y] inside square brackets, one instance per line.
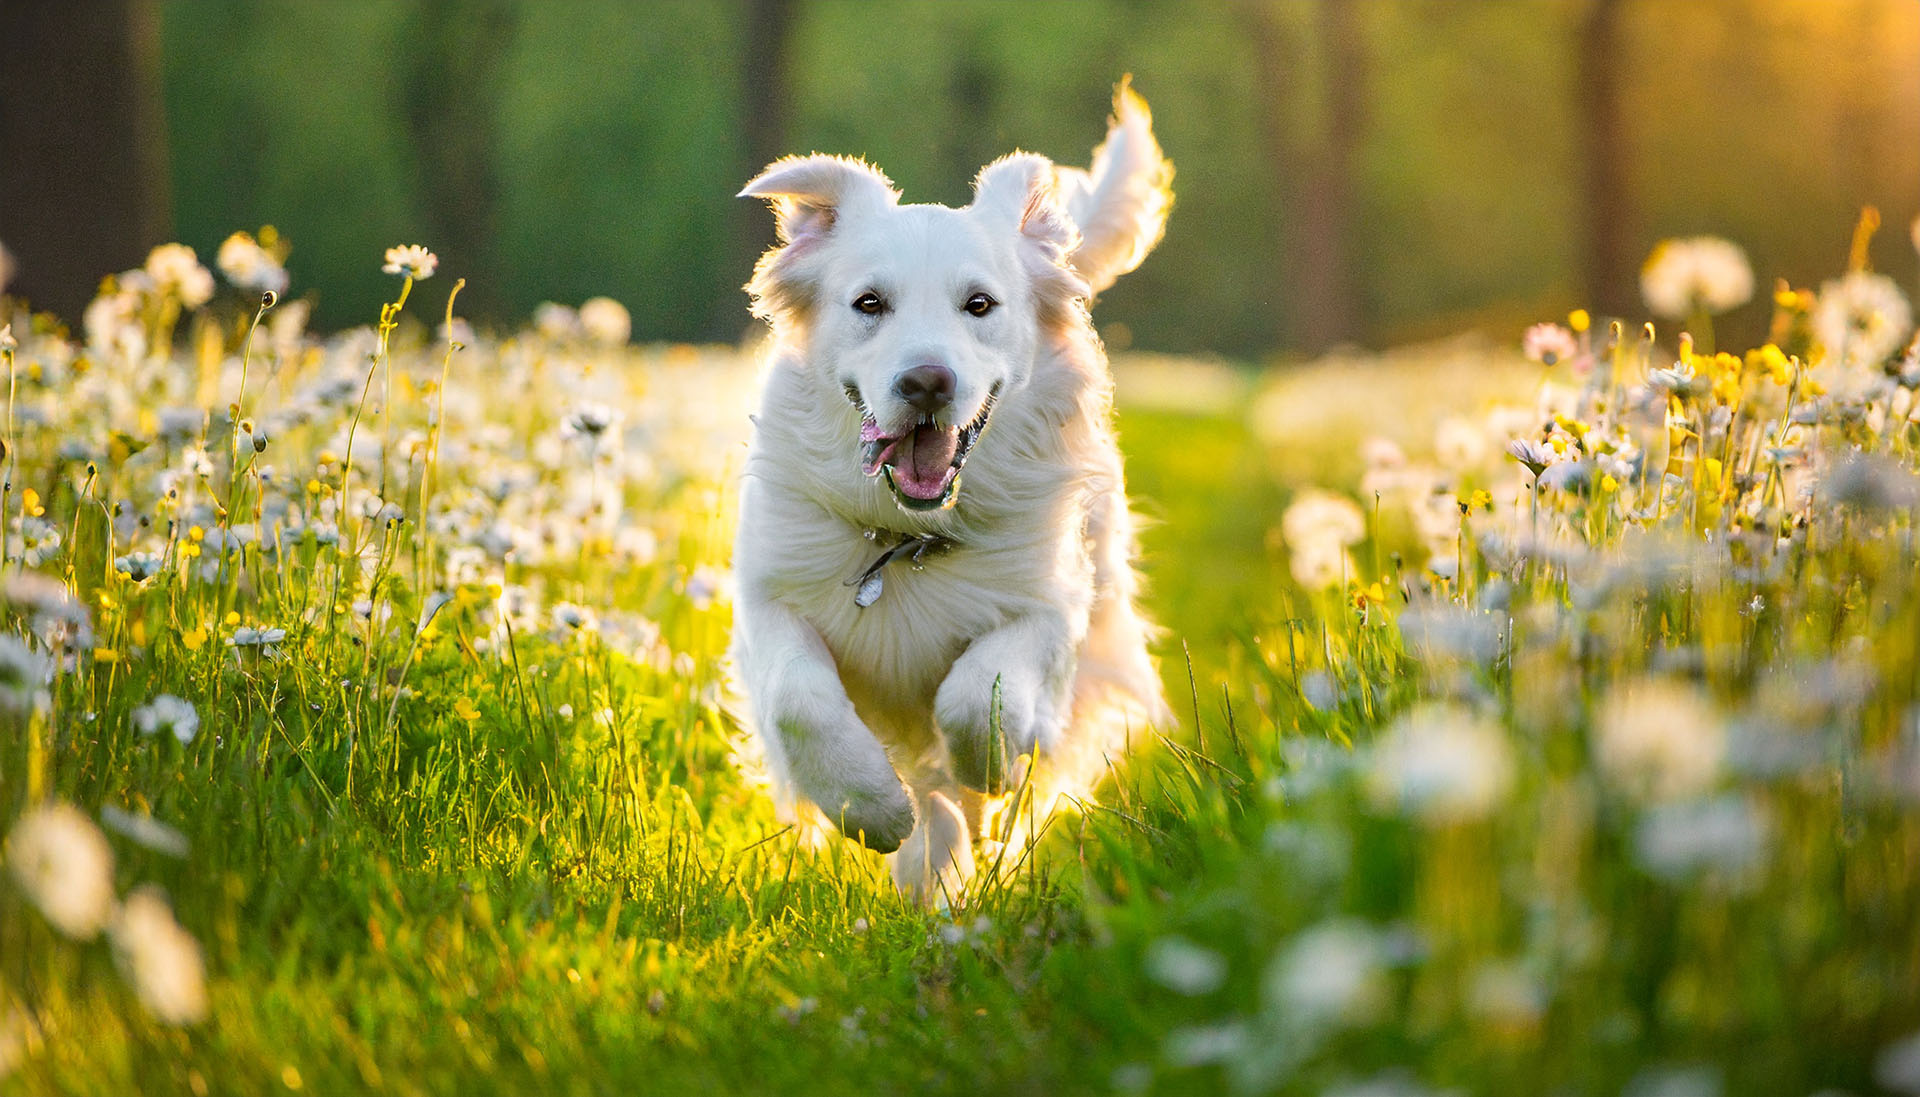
[870, 713]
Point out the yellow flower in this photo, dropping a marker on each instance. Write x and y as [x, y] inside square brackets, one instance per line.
[466, 710]
[30, 502]
[193, 638]
[197, 534]
[1579, 321]
[232, 619]
[1481, 499]
[1609, 484]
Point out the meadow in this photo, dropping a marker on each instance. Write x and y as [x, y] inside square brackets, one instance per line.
[1549, 722]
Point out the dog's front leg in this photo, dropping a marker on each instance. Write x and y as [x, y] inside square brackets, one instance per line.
[810, 727]
[1028, 663]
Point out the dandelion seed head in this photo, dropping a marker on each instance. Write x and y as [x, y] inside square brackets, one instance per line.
[1703, 272]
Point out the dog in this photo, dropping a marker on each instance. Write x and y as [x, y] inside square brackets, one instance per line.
[934, 558]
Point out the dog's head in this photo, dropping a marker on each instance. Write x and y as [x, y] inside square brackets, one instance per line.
[922, 315]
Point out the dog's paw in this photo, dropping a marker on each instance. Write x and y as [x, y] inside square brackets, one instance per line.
[989, 719]
[880, 819]
[845, 772]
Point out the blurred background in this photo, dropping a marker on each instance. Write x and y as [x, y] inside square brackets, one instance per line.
[1365, 172]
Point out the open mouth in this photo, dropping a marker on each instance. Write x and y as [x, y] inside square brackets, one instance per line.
[922, 463]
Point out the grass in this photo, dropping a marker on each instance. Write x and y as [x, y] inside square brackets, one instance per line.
[1607, 788]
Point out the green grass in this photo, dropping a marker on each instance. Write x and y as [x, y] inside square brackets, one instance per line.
[442, 859]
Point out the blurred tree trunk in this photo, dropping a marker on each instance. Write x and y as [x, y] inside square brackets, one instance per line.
[765, 79]
[452, 81]
[83, 145]
[1318, 245]
[1611, 278]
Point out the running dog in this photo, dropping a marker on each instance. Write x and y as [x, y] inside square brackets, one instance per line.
[934, 559]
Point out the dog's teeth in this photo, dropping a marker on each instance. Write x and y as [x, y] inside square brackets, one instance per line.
[870, 453]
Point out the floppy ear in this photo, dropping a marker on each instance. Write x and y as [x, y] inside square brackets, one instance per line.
[809, 195]
[1020, 191]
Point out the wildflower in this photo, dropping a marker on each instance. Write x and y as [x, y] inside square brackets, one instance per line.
[606, 321]
[138, 566]
[556, 321]
[145, 830]
[1184, 967]
[1442, 763]
[1660, 739]
[248, 636]
[1898, 1066]
[591, 420]
[168, 713]
[7, 341]
[1316, 517]
[1726, 834]
[1703, 272]
[412, 260]
[23, 675]
[465, 709]
[175, 269]
[1678, 379]
[704, 585]
[250, 266]
[1549, 344]
[1861, 318]
[1534, 455]
[1331, 973]
[568, 617]
[63, 863]
[160, 959]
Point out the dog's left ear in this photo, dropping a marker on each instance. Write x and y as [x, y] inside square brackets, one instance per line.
[1020, 191]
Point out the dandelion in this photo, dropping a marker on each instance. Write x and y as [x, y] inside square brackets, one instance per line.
[167, 713]
[1316, 516]
[160, 959]
[1861, 318]
[413, 261]
[62, 862]
[1660, 739]
[249, 266]
[1549, 344]
[1701, 272]
[1443, 764]
[606, 321]
[175, 269]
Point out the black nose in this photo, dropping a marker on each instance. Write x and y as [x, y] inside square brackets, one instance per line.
[926, 388]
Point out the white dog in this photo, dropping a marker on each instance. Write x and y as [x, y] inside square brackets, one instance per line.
[901, 632]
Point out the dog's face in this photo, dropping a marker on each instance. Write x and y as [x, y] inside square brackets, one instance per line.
[922, 316]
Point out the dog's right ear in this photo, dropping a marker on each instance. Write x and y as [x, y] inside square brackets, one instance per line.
[809, 194]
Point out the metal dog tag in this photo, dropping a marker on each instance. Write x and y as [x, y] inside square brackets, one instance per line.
[869, 591]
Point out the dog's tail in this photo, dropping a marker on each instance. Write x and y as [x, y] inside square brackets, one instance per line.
[1120, 205]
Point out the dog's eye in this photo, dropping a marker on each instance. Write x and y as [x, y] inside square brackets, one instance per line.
[980, 304]
[869, 304]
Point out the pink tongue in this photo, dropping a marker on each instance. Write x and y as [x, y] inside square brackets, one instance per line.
[932, 456]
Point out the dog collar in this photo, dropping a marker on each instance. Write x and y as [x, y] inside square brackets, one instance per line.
[917, 546]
